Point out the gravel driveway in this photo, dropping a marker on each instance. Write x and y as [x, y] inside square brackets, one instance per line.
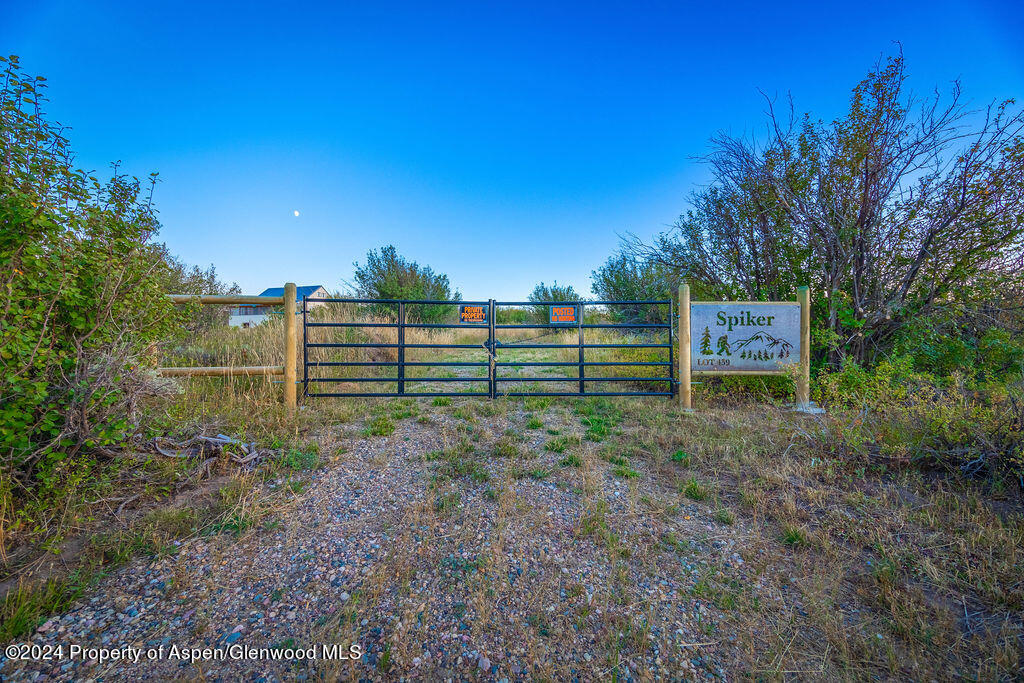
[457, 547]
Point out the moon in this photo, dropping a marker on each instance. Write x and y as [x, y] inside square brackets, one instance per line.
[296, 212]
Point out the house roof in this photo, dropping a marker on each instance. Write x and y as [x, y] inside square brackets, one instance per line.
[305, 290]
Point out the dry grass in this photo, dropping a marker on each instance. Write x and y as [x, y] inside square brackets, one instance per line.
[852, 569]
[849, 567]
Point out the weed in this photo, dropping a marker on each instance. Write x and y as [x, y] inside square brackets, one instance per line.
[299, 460]
[464, 413]
[286, 644]
[694, 490]
[487, 408]
[571, 460]
[447, 502]
[682, 458]
[505, 447]
[625, 472]
[379, 426]
[536, 402]
[794, 536]
[539, 622]
[24, 609]
[560, 443]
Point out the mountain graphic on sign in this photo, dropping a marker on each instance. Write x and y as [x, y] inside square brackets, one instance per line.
[782, 347]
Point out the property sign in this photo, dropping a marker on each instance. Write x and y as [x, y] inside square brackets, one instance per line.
[562, 315]
[472, 314]
[744, 336]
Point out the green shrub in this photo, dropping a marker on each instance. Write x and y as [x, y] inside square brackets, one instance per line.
[903, 416]
[80, 287]
[944, 345]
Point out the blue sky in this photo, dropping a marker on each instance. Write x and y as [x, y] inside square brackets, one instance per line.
[501, 143]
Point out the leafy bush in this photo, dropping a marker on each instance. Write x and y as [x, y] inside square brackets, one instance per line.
[80, 288]
[948, 343]
[896, 415]
[388, 275]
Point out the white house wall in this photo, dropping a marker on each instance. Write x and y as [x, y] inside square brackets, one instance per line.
[252, 320]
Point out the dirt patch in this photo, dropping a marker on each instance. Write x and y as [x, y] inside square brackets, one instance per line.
[31, 566]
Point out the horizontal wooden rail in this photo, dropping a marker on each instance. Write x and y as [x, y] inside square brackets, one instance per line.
[227, 299]
[288, 369]
[239, 371]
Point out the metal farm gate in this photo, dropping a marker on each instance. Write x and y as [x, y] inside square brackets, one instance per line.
[496, 367]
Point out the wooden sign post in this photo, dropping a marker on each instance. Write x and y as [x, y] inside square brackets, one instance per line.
[745, 338]
[685, 399]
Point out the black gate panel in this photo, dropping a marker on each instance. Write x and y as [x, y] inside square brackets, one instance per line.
[664, 383]
[493, 352]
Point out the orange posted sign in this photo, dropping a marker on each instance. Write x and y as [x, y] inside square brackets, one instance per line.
[473, 315]
[563, 315]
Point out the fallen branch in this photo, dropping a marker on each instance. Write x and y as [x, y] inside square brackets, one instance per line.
[241, 453]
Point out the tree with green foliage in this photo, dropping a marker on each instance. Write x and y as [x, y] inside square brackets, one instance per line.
[893, 213]
[389, 275]
[180, 278]
[555, 292]
[624, 277]
[81, 298]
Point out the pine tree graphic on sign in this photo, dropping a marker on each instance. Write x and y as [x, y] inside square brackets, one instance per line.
[705, 342]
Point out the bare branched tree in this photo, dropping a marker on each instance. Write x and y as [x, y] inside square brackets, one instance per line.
[892, 212]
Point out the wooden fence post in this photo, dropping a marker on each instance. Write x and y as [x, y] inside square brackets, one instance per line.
[684, 347]
[803, 382]
[289, 346]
